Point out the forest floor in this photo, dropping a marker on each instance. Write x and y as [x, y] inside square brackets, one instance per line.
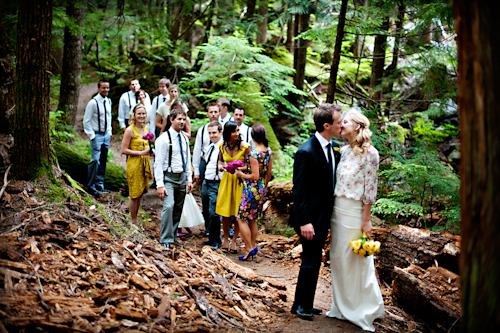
[264, 266]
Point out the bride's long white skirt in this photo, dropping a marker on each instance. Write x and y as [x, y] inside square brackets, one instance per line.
[356, 293]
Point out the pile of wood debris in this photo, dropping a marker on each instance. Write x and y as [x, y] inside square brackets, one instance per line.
[63, 271]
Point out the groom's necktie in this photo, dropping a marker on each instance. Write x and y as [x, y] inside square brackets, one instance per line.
[182, 154]
[330, 160]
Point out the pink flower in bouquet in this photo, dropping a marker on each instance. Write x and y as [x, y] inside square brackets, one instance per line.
[148, 136]
[232, 166]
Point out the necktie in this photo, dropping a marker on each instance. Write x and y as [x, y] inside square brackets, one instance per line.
[330, 160]
[105, 117]
[182, 153]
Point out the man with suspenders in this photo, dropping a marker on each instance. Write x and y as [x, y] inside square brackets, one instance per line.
[97, 126]
[172, 169]
[163, 85]
[210, 186]
[245, 131]
[127, 102]
[201, 144]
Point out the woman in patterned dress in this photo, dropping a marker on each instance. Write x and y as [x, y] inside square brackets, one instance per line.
[356, 293]
[254, 189]
[139, 172]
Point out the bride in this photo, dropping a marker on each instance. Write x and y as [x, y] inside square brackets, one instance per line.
[356, 293]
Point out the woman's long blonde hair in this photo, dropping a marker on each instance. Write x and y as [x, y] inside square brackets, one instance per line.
[362, 142]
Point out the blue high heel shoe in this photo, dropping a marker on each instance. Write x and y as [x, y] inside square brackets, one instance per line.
[242, 258]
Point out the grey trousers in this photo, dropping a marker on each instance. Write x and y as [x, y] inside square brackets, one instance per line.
[175, 184]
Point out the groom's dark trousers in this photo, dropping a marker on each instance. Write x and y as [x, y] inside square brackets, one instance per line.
[313, 185]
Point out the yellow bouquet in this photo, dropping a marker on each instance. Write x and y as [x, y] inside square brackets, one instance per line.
[365, 247]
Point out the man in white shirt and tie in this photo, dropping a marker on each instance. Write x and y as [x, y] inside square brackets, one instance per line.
[202, 142]
[163, 85]
[172, 169]
[245, 131]
[97, 126]
[210, 186]
[127, 102]
[224, 106]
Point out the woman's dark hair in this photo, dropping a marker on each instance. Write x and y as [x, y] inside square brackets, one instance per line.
[259, 134]
[229, 128]
[174, 112]
[138, 93]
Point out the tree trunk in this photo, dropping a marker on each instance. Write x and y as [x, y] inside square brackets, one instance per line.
[359, 40]
[378, 64]
[332, 84]
[289, 34]
[250, 9]
[208, 26]
[301, 51]
[7, 92]
[72, 62]
[391, 71]
[478, 41]
[263, 21]
[31, 122]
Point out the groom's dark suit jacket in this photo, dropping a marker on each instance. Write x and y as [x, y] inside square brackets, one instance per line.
[313, 185]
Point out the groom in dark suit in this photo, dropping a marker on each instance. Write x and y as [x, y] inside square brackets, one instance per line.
[313, 184]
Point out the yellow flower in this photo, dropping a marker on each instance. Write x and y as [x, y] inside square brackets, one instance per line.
[367, 245]
[376, 246]
[362, 253]
[336, 148]
[355, 244]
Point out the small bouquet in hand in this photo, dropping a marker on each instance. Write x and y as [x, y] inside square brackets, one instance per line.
[365, 247]
[233, 166]
[148, 137]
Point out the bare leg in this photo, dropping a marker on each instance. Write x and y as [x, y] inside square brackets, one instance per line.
[132, 206]
[236, 229]
[226, 223]
[246, 235]
[254, 229]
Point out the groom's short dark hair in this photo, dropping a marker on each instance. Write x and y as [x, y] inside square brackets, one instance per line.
[324, 115]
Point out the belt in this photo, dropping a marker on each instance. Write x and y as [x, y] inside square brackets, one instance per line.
[173, 173]
[212, 180]
[97, 132]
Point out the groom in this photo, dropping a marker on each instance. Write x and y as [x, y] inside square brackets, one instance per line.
[313, 184]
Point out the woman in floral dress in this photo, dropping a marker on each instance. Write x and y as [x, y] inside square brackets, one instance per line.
[254, 189]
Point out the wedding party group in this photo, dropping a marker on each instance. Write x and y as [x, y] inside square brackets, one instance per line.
[231, 161]
[334, 187]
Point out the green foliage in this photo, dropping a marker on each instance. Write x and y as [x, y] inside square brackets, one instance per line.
[424, 128]
[412, 185]
[231, 65]
[59, 132]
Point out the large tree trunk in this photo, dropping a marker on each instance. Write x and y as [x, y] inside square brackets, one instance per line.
[72, 62]
[31, 121]
[289, 34]
[478, 40]
[301, 51]
[378, 64]
[208, 26]
[250, 9]
[7, 93]
[332, 84]
[262, 25]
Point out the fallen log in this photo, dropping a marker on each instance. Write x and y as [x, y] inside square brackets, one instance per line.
[432, 294]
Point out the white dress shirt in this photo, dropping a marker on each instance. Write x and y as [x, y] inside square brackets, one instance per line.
[162, 146]
[127, 102]
[201, 144]
[212, 173]
[324, 143]
[95, 116]
[227, 118]
[246, 134]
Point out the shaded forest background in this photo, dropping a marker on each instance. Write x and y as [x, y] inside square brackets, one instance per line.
[395, 60]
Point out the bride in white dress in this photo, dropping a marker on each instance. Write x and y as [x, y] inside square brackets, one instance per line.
[356, 293]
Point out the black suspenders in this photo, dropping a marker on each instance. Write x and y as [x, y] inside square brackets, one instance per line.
[99, 116]
[170, 150]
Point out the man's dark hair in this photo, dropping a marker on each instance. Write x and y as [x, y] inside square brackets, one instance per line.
[101, 81]
[240, 108]
[225, 102]
[324, 115]
[213, 104]
[134, 79]
[215, 123]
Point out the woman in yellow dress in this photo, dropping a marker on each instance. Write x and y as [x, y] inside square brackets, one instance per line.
[231, 188]
[139, 172]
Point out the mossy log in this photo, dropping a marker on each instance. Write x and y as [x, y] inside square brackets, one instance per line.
[75, 163]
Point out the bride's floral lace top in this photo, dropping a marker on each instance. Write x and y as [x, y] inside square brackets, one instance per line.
[357, 175]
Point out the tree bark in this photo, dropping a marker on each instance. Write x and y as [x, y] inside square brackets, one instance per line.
[289, 35]
[31, 122]
[72, 62]
[332, 84]
[301, 51]
[251, 4]
[378, 64]
[7, 92]
[478, 41]
[262, 25]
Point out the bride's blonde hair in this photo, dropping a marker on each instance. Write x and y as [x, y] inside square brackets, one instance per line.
[362, 142]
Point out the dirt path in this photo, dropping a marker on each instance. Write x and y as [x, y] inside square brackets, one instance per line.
[266, 264]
